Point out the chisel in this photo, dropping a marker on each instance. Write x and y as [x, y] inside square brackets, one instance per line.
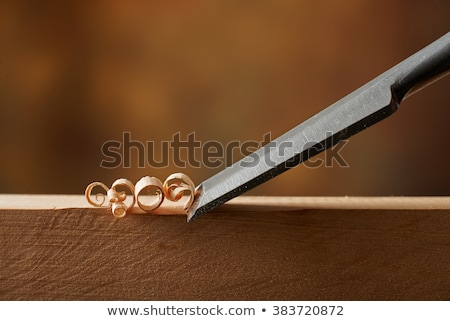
[364, 107]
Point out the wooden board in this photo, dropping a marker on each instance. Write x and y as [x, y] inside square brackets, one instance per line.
[251, 252]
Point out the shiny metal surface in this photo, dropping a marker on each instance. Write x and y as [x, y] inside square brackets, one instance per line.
[364, 107]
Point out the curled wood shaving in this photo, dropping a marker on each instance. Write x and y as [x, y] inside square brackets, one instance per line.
[102, 196]
[149, 194]
[176, 186]
[150, 186]
[116, 196]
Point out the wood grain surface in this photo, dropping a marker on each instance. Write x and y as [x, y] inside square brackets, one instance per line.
[240, 254]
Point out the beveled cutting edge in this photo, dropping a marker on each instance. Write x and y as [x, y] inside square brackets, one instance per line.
[362, 108]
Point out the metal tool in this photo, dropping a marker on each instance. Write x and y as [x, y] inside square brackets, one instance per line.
[364, 107]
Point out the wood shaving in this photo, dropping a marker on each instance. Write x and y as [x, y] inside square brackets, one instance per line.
[174, 196]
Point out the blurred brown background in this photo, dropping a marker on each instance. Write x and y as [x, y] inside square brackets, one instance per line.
[74, 75]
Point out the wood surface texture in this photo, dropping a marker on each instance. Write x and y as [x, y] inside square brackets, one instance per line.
[241, 253]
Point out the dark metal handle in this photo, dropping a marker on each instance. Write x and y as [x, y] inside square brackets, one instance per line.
[423, 68]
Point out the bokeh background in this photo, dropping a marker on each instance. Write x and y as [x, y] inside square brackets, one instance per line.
[75, 74]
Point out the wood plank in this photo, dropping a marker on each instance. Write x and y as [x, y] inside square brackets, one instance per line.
[263, 203]
[319, 254]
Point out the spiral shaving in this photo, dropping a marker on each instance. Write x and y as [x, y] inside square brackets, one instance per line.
[149, 194]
